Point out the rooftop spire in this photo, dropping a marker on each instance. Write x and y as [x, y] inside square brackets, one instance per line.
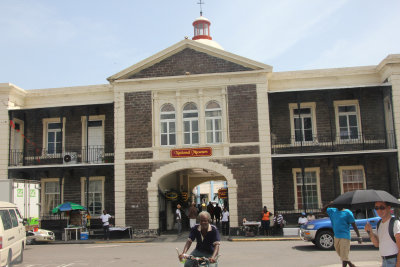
[201, 8]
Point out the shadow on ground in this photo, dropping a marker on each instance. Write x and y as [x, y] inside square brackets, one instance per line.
[311, 248]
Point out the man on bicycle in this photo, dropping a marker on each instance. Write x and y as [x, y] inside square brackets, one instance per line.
[208, 241]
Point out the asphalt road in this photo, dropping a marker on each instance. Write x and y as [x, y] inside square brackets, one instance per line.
[262, 253]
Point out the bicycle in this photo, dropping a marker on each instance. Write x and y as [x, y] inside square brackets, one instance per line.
[198, 261]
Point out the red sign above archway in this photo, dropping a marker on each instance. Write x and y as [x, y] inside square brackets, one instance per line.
[191, 152]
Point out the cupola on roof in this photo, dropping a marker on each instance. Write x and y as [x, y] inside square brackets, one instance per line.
[201, 27]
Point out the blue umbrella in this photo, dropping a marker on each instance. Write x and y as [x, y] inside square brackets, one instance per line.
[67, 206]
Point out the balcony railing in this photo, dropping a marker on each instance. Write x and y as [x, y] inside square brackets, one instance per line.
[323, 143]
[83, 155]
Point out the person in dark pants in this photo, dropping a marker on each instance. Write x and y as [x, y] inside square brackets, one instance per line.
[210, 210]
[105, 218]
[225, 221]
[217, 214]
[208, 241]
[265, 220]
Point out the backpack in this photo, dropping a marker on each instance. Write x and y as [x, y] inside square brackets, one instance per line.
[391, 223]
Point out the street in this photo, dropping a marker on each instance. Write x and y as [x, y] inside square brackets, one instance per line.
[263, 253]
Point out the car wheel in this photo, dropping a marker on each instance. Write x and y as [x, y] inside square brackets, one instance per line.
[20, 258]
[30, 241]
[324, 240]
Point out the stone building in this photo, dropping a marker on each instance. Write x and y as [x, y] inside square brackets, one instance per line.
[193, 113]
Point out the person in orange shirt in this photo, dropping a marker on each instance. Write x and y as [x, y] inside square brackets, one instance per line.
[265, 220]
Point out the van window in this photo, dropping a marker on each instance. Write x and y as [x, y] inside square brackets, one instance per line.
[19, 214]
[13, 218]
[5, 217]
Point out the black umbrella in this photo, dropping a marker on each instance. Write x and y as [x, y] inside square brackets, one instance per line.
[364, 199]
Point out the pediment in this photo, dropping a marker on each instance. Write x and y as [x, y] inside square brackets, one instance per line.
[189, 57]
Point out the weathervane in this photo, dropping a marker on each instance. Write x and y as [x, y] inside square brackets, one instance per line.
[201, 10]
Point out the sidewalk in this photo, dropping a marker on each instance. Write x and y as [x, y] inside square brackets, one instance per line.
[289, 234]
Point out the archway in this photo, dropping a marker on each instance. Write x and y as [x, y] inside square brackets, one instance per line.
[168, 169]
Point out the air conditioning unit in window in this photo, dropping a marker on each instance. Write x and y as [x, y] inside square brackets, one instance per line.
[70, 158]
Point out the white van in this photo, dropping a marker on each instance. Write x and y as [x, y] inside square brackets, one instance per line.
[12, 234]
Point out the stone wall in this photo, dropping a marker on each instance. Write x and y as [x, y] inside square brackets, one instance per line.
[188, 61]
[138, 120]
[242, 111]
[371, 111]
[379, 172]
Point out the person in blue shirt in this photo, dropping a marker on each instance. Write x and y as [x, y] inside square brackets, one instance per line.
[208, 240]
[341, 220]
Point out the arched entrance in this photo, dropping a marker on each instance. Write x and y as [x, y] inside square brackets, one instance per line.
[170, 169]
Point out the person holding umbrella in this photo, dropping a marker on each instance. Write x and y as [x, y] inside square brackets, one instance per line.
[388, 248]
[341, 221]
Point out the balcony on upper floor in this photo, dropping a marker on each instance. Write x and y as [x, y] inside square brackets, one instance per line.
[66, 156]
[331, 143]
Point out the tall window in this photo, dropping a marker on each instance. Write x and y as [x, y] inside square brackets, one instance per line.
[95, 195]
[51, 196]
[302, 121]
[213, 123]
[307, 191]
[54, 138]
[348, 121]
[167, 118]
[352, 178]
[190, 124]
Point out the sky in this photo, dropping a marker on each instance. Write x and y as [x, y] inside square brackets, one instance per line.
[51, 44]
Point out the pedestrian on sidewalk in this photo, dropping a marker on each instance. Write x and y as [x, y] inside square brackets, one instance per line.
[217, 214]
[105, 218]
[178, 218]
[387, 237]
[210, 210]
[341, 220]
[192, 215]
[265, 220]
[302, 219]
[278, 224]
[225, 222]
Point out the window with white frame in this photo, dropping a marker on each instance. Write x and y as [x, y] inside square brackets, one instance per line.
[303, 121]
[213, 123]
[51, 195]
[347, 120]
[95, 196]
[307, 189]
[352, 178]
[53, 131]
[54, 138]
[190, 124]
[168, 131]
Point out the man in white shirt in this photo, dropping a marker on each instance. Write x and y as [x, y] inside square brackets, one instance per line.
[105, 218]
[225, 221]
[388, 249]
[178, 218]
[302, 219]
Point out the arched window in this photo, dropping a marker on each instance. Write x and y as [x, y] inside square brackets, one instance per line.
[190, 124]
[213, 123]
[167, 119]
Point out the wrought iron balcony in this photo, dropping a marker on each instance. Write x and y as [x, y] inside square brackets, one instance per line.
[323, 143]
[68, 156]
